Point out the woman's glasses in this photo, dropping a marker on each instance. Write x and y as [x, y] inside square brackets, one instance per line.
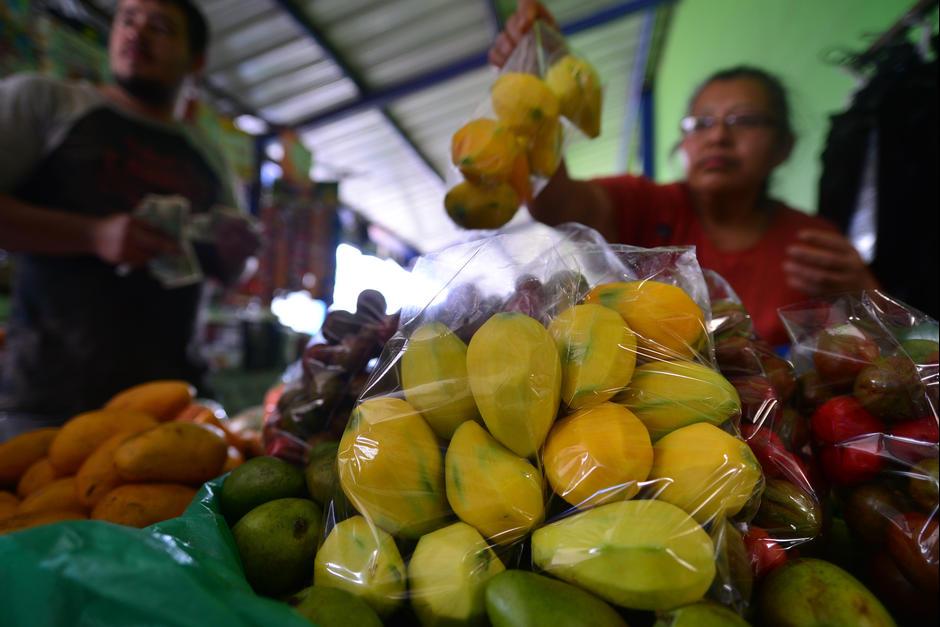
[692, 124]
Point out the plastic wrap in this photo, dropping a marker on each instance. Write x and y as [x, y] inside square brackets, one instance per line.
[544, 96]
[555, 408]
[868, 371]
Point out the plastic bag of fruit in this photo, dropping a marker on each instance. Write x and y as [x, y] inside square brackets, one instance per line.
[544, 96]
[554, 408]
[868, 367]
[791, 508]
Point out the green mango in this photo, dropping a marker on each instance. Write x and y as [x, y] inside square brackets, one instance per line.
[257, 481]
[787, 511]
[362, 559]
[701, 614]
[434, 378]
[491, 488]
[517, 598]
[515, 376]
[332, 607]
[447, 576]
[667, 395]
[647, 555]
[277, 542]
[814, 593]
[320, 473]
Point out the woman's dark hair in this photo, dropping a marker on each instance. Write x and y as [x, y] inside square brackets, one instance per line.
[773, 86]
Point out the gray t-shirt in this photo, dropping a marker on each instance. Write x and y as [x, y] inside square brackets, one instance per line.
[79, 332]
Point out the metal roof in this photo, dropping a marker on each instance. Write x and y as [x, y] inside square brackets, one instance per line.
[377, 87]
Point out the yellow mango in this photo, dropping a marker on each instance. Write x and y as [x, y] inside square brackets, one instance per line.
[363, 560]
[667, 395]
[54, 497]
[705, 471]
[578, 88]
[140, 505]
[391, 468]
[22, 451]
[484, 151]
[434, 378]
[490, 488]
[8, 504]
[37, 476]
[98, 475]
[161, 399]
[515, 376]
[523, 102]
[667, 322]
[597, 455]
[545, 152]
[79, 437]
[475, 206]
[19, 522]
[597, 351]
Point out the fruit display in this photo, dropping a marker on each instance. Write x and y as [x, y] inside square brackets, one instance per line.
[514, 144]
[135, 462]
[868, 372]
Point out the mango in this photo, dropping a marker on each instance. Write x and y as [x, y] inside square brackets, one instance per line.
[8, 504]
[523, 102]
[332, 607]
[814, 593]
[597, 455]
[321, 474]
[484, 151]
[172, 452]
[490, 487]
[19, 522]
[473, 206]
[647, 555]
[162, 399]
[22, 451]
[97, 475]
[515, 376]
[79, 437]
[667, 395]
[667, 322]
[701, 614]
[576, 84]
[391, 468]
[57, 496]
[39, 475]
[517, 598]
[362, 559]
[447, 576]
[705, 471]
[434, 378]
[257, 481]
[141, 505]
[277, 542]
[519, 176]
[544, 155]
[597, 351]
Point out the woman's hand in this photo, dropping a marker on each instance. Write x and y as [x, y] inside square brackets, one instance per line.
[518, 24]
[824, 262]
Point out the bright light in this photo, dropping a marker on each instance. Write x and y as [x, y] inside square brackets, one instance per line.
[270, 172]
[251, 125]
[300, 312]
[274, 151]
[356, 272]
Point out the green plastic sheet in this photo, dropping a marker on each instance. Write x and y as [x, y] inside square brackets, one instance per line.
[180, 572]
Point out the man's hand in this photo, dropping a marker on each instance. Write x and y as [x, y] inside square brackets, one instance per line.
[122, 239]
[518, 24]
[825, 262]
[235, 241]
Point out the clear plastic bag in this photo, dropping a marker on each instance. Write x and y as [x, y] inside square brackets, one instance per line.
[542, 99]
[868, 367]
[555, 407]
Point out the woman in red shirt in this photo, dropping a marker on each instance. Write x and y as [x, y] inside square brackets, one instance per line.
[736, 133]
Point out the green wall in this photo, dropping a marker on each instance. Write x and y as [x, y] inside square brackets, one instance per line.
[786, 37]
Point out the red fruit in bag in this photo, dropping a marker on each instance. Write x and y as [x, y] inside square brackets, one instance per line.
[854, 462]
[842, 418]
[901, 596]
[842, 352]
[914, 546]
[765, 553]
[775, 460]
[759, 399]
[911, 441]
[781, 376]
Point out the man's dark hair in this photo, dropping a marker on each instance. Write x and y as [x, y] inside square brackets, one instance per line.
[197, 28]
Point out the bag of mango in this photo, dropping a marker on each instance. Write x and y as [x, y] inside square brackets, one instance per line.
[508, 150]
[555, 409]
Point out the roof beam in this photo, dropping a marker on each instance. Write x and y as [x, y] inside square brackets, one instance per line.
[383, 97]
[319, 37]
